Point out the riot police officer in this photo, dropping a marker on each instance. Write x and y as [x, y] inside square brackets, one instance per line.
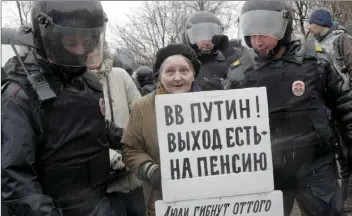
[204, 33]
[123, 60]
[145, 78]
[300, 81]
[55, 155]
[116, 62]
[126, 65]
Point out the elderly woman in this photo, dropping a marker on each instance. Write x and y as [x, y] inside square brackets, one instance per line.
[177, 66]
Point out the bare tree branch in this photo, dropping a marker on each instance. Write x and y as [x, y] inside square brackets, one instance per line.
[300, 9]
[340, 10]
[22, 8]
[155, 24]
[26, 7]
[19, 11]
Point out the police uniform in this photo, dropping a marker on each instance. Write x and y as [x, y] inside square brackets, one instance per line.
[55, 155]
[300, 82]
[146, 79]
[212, 71]
[299, 85]
[205, 26]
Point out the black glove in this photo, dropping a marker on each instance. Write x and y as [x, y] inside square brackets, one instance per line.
[211, 84]
[221, 42]
[113, 134]
[156, 179]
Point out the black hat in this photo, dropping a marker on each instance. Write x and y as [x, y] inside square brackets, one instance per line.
[176, 49]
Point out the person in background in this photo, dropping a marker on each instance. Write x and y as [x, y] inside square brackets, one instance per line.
[145, 77]
[118, 63]
[203, 32]
[125, 60]
[125, 190]
[334, 38]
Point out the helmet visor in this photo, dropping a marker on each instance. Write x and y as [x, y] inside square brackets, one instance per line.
[265, 23]
[72, 46]
[203, 31]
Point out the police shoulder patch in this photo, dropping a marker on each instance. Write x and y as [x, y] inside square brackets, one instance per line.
[236, 63]
[318, 48]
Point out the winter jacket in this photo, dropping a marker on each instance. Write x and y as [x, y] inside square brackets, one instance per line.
[123, 95]
[300, 85]
[53, 154]
[140, 144]
[329, 43]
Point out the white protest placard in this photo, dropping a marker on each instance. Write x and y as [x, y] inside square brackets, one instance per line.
[214, 144]
[263, 204]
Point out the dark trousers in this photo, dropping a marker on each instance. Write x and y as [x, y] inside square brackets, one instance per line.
[128, 204]
[102, 207]
[311, 181]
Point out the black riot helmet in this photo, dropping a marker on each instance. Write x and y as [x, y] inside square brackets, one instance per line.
[144, 75]
[201, 26]
[66, 33]
[116, 62]
[267, 18]
[125, 60]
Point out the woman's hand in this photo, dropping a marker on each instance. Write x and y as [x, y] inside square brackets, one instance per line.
[116, 160]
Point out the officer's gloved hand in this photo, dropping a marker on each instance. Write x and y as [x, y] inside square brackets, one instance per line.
[221, 42]
[156, 179]
[113, 134]
[116, 160]
[211, 84]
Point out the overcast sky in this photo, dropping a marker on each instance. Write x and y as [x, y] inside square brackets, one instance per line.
[117, 12]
